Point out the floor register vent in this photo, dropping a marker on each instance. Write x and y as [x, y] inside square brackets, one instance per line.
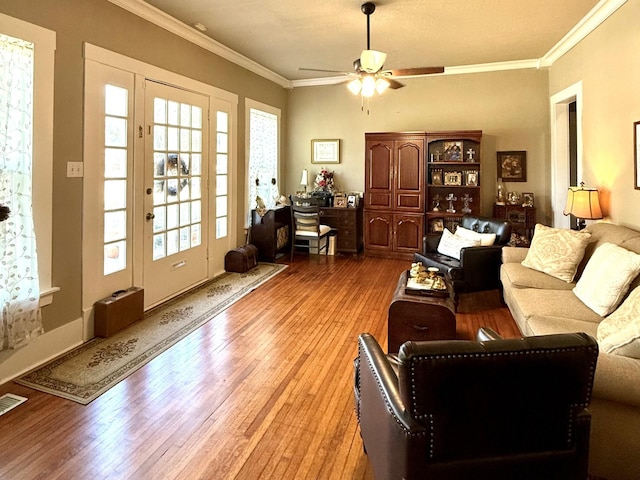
[9, 401]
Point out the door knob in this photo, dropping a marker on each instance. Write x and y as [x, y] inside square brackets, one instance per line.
[150, 216]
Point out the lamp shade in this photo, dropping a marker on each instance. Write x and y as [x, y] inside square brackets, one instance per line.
[583, 203]
[371, 60]
[305, 178]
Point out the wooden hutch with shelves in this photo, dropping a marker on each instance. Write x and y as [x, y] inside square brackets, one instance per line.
[400, 187]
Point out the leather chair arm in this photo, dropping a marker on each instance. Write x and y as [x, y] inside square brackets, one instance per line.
[486, 334]
[430, 242]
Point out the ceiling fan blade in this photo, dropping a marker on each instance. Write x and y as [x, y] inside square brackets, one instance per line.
[323, 70]
[394, 84]
[410, 72]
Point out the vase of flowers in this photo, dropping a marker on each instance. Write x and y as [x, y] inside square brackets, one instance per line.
[324, 181]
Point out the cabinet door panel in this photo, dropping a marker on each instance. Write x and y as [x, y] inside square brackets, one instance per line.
[409, 230]
[378, 173]
[409, 175]
[379, 228]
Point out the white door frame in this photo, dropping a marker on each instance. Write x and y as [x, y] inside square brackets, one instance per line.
[559, 108]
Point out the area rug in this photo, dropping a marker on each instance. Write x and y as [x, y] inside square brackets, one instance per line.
[88, 371]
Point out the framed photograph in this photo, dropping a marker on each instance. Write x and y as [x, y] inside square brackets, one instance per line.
[471, 178]
[340, 202]
[512, 166]
[453, 151]
[436, 177]
[325, 151]
[453, 178]
[437, 225]
[636, 154]
[527, 199]
[352, 201]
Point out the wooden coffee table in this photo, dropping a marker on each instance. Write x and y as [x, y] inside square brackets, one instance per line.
[419, 317]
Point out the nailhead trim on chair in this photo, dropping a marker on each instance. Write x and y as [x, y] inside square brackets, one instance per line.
[429, 416]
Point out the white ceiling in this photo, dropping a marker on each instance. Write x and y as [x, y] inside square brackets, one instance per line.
[283, 35]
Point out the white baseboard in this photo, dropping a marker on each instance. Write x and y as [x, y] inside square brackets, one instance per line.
[47, 346]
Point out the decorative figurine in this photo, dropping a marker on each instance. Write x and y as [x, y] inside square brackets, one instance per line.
[436, 203]
[451, 198]
[466, 200]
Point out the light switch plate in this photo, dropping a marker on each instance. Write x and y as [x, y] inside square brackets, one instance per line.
[75, 169]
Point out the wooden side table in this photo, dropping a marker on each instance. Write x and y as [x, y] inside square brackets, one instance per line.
[419, 317]
[522, 218]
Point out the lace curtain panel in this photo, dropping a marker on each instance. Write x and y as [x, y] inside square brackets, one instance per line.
[20, 319]
[263, 158]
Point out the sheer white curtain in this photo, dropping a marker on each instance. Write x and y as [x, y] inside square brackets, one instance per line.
[19, 290]
[263, 159]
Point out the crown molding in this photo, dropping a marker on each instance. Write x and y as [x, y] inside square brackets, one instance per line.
[171, 24]
[598, 14]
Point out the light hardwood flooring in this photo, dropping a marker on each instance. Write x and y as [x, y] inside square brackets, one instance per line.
[264, 390]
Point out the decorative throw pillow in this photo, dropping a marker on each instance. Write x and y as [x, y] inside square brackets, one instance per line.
[607, 277]
[619, 333]
[556, 251]
[450, 245]
[486, 239]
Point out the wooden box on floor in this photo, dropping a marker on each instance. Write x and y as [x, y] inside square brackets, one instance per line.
[118, 311]
[241, 259]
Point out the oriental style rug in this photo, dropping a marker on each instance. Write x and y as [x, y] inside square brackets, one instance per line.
[88, 371]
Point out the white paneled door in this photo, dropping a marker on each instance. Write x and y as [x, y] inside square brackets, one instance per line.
[175, 191]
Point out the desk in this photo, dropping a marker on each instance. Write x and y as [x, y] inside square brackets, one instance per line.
[271, 233]
[348, 224]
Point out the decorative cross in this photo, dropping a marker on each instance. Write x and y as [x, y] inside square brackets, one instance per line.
[451, 198]
[470, 153]
[466, 200]
[438, 154]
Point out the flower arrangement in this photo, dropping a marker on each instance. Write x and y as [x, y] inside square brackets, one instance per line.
[324, 181]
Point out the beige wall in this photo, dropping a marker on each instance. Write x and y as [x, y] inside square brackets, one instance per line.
[106, 25]
[608, 64]
[511, 108]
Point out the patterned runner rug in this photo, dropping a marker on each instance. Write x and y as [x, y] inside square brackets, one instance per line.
[88, 371]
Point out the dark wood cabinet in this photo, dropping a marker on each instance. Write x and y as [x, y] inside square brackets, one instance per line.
[453, 171]
[348, 224]
[395, 187]
[271, 233]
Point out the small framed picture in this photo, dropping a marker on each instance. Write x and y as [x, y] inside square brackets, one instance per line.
[453, 151]
[471, 178]
[512, 166]
[453, 178]
[352, 201]
[436, 177]
[527, 199]
[340, 201]
[437, 225]
[325, 151]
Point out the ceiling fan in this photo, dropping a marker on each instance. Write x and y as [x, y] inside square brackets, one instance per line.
[368, 76]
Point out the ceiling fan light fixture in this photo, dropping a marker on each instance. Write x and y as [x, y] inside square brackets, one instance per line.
[368, 86]
[381, 85]
[355, 86]
[371, 61]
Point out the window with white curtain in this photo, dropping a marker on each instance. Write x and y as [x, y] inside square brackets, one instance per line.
[263, 134]
[19, 285]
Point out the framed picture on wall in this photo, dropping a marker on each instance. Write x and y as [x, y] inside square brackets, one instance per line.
[325, 151]
[512, 166]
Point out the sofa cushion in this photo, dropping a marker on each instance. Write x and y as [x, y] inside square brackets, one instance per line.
[606, 278]
[556, 251]
[539, 325]
[619, 333]
[486, 239]
[552, 303]
[603, 232]
[450, 244]
[520, 276]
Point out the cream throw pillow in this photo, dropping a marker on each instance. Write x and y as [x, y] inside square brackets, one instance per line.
[450, 244]
[556, 251]
[606, 278]
[486, 239]
[619, 333]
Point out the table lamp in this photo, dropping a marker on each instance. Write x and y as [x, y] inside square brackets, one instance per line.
[583, 203]
[305, 179]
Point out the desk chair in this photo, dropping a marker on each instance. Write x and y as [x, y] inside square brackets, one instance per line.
[307, 229]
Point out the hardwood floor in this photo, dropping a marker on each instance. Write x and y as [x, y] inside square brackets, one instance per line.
[264, 390]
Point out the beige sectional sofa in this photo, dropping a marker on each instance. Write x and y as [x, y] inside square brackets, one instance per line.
[542, 304]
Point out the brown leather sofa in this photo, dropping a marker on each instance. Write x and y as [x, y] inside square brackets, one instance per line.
[479, 267]
[498, 409]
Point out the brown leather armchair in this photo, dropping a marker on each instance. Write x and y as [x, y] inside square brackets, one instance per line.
[479, 267]
[496, 409]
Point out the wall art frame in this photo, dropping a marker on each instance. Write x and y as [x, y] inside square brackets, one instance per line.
[325, 150]
[512, 166]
